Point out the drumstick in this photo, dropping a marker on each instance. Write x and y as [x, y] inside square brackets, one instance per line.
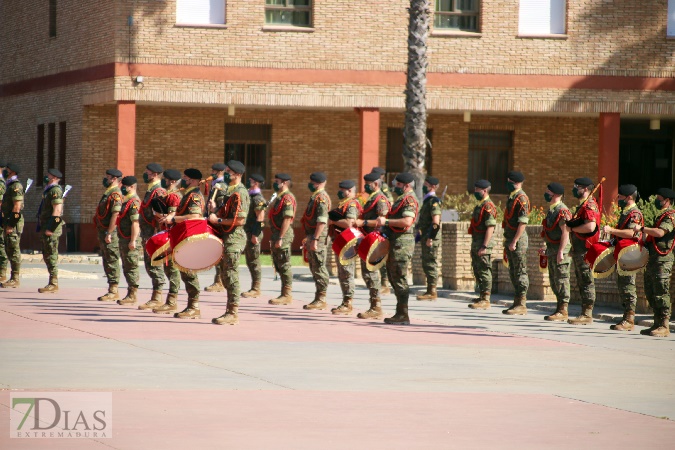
[213, 195]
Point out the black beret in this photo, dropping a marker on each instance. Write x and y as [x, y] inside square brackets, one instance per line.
[193, 173]
[55, 173]
[379, 171]
[405, 178]
[482, 184]
[154, 168]
[257, 177]
[318, 177]
[219, 167]
[14, 167]
[516, 176]
[236, 166]
[346, 184]
[627, 189]
[556, 188]
[114, 173]
[583, 181]
[172, 174]
[129, 180]
[666, 193]
[283, 176]
[432, 180]
[370, 177]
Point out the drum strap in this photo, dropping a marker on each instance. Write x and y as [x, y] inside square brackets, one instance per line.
[634, 213]
[508, 215]
[409, 200]
[233, 203]
[275, 211]
[474, 224]
[144, 205]
[123, 215]
[309, 214]
[192, 194]
[375, 202]
[562, 214]
[99, 217]
[653, 241]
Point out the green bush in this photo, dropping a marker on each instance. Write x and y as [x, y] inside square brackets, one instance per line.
[464, 205]
[648, 209]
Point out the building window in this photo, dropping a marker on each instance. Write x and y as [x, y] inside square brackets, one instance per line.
[490, 158]
[39, 168]
[62, 150]
[670, 30]
[395, 141]
[296, 13]
[251, 145]
[51, 145]
[52, 18]
[538, 17]
[459, 15]
[200, 12]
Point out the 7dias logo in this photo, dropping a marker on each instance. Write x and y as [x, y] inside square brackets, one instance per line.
[61, 415]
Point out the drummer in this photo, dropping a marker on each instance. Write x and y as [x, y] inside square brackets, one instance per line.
[630, 219]
[129, 233]
[481, 229]
[428, 230]
[281, 215]
[255, 222]
[384, 188]
[229, 219]
[216, 191]
[376, 206]
[339, 219]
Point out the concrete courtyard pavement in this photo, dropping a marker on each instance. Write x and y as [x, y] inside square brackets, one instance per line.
[289, 378]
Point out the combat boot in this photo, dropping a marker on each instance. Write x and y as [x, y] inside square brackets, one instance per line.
[154, 302]
[130, 299]
[519, 307]
[318, 303]
[254, 292]
[170, 306]
[483, 302]
[191, 312]
[584, 318]
[375, 311]
[400, 318]
[229, 318]
[627, 322]
[344, 308]
[3, 274]
[430, 294]
[217, 285]
[52, 286]
[654, 326]
[560, 314]
[663, 328]
[285, 298]
[111, 295]
[13, 282]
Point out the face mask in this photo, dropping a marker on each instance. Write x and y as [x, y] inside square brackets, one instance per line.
[311, 187]
[163, 183]
[369, 189]
[425, 190]
[658, 203]
[146, 179]
[575, 193]
[124, 190]
[548, 197]
[341, 195]
[214, 175]
[510, 186]
[398, 190]
[622, 203]
[248, 184]
[276, 187]
[106, 183]
[46, 179]
[478, 195]
[227, 178]
[183, 183]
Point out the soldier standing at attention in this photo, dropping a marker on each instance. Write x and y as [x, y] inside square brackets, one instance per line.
[149, 227]
[584, 225]
[217, 183]
[516, 242]
[229, 220]
[281, 215]
[376, 206]
[3, 254]
[556, 234]
[105, 220]
[399, 229]
[314, 222]
[129, 232]
[630, 219]
[384, 187]
[50, 214]
[12, 220]
[660, 242]
[255, 222]
[428, 229]
[483, 222]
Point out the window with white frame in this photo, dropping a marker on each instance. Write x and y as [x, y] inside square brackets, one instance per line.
[458, 15]
[200, 12]
[542, 17]
[294, 13]
[670, 30]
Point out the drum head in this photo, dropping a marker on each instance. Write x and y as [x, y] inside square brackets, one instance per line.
[604, 267]
[632, 259]
[349, 251]
[196, 253]
[377, 257]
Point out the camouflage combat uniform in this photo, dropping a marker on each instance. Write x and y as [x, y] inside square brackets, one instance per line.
[149, 228]
[111, 202]
[14, 193]
[484, 216]
[659, 267]
[431, 206]
[128, 215]
[317, 212]
[3, 254]
[558, 273]
[52, 196]
[252, 251]
[377, 205]
[282, 207]
[349, 209]
[517, 212]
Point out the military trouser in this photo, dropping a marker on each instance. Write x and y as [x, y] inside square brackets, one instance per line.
[430, 261]
[558, 274]
[627, 291]
[229, 274]
[190, 280]
[346, 277]
[657, 282]
[384, 278]
[400, 254]
[482, 266]
[172, 274]
[130, 261]
[50, 251]
[3, 254]
[317, 265]
[12, 248]
[156, 273]
[281, 258]
[111, 256]
[252, 255]
[584, 276]
[372, 279]
[518, 265]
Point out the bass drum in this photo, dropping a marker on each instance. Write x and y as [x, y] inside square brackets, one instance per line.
[195, 245]
[374, 250]
[346, 245]
[600, 256]
[631, 256]
[158, 247]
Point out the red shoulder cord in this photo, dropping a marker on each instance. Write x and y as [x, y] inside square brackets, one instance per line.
[123, 215]
[508, 215]
[275, 211]
[473, 224]
[308, 215]
[98, 217]
[224, 211]
[189, 197]
[653, 241]
[546, 230]
[597, 220]
[625, 222]
[392, 212]
[144, 205]
[374, 203]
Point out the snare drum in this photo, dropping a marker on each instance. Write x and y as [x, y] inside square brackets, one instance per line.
[374, 249]
[195, 245]
[346, 245]
[543, 261]
[631, 256]
[305, 254]
[158, 247]
[601, 258]
[505, 259]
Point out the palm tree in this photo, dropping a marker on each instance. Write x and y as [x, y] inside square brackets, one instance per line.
[415, 128]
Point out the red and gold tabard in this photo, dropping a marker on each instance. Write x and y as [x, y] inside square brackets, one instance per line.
[589, 212]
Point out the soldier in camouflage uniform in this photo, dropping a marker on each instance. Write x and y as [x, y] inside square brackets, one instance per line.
[398, 227]
[342, 217]
[51, 223]
[3, 254]
[384, 187]
[376, 206]
[216, 192]
[105, 220]
[630, 219]
[660, 242]
[483, 222]
[149, 227]
[516, 242]
[255, 222]
[12, 221]
[281, 215]
[584, 226]
[229, 221]
[314, 222]
[556, 234]
[429, 235]
[129, 232]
